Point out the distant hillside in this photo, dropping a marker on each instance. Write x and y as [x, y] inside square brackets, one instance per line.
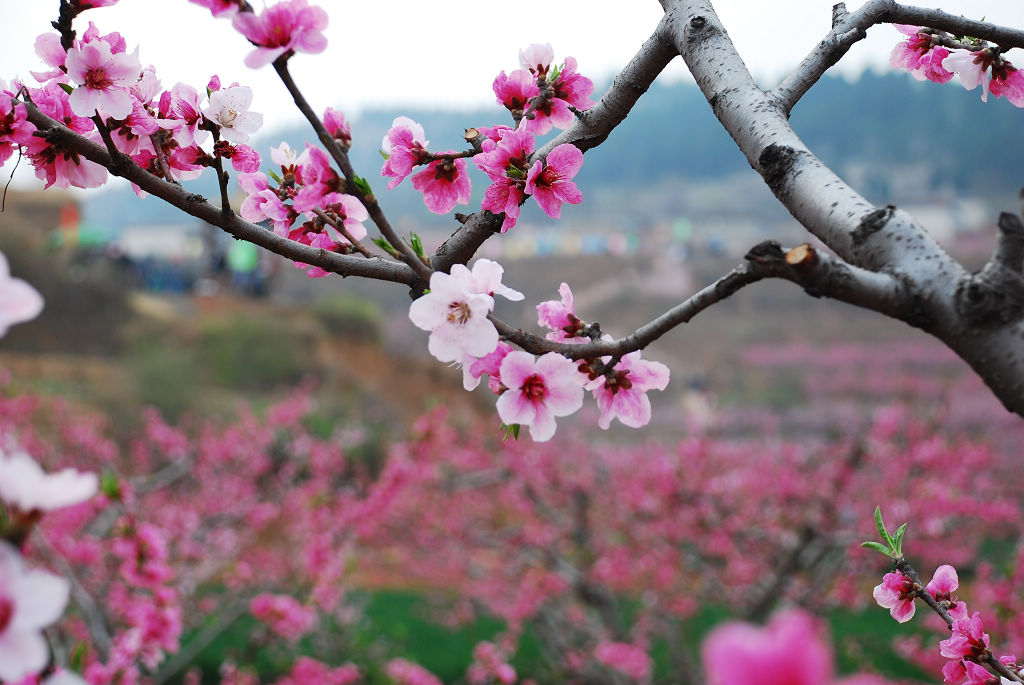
[888, 134]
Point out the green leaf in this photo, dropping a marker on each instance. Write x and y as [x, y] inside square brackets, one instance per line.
[512, 430]
[110, 485]
[877, 546]
[78, 655]
[898, 539]
[66, 87]
[554, 72]
[386, 246]
[385, 155]
[275, 177]
[417, 245]
[363, 185]
[882, 532]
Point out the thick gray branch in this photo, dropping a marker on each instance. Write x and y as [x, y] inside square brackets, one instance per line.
[197, 206]
[1002, 36]
[935, 292]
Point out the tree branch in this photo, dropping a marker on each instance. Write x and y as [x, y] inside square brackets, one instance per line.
[1002, 36]
[847, 29]
[340, 157]
[197, 206]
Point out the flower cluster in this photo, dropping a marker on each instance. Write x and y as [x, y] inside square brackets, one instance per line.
[968, 644]
[925, 56]
[532, 391]
[307, 186]
[98, 82]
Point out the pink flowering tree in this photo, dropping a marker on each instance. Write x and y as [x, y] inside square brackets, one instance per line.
[96, 111]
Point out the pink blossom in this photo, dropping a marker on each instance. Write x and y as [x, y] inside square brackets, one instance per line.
[473, 368]
[444, 183]
[29, 601]
[919, 56]
[49, 49]
[289, 26]
[550, 182]
[284, 615]
[973, 68]
[89, 4]
[514, 91]
[338, 127]
[181, 103]
[404, 146]
[560, 317]
[942, 586]
[485, 278]
[456, 317]
[570, 90]
[788, 650]
[306, 671]
[53, 164]
[506, 163]
[539, 389]
[103, 78]
[15, 129]
[229, 109]
[26, 487]
[1008, 81]
[244, 158]
[896, 593]
[968, 639]
[350, 212]
[626, 658]
[317, 180]
[622, 392]
[537, 58]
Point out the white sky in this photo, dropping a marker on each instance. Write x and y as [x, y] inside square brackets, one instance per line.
[444, 53]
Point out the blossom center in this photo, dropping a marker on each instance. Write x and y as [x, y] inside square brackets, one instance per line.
[97, 79]
[618, 380]
[227, 117]
[6, 613]
[534, 388]
[459, 313]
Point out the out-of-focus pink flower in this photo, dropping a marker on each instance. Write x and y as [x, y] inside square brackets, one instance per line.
[622, 394]
[29, 601]
[942, 586]
[284, 615]
[789, 650]
[444, 183]
[405, 146]
[290, 25]
[306, 671]
[626, 658]
[456, 317]
[539, 390]
[219, 8]
[550, 182]
[103, 79]
[229, 109]
[896, 593]
[407, 673]
[968, 639]
[26, 487]
[560, 317]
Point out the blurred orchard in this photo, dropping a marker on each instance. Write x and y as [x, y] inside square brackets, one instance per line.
[523, 535]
